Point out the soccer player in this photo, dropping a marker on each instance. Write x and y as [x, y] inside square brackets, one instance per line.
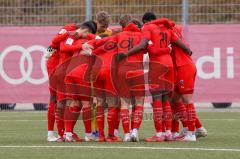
[130, 75]
[67, 50]
[160, 71]
[52, 63]
[186, 72]
[103, 21]
[104, 89]
[132, 66]
[80, 97]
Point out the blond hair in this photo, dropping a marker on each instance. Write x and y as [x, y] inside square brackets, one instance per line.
[103, 18]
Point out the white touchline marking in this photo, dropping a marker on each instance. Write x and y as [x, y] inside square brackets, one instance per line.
[125, 147]
[22, 120]
[27, 120]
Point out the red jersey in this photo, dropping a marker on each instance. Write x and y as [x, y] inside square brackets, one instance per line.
[62, 35]
[71, 45]
[53, 61]
[161, 37]
[121, 42]
[180, 57]
[127, 39]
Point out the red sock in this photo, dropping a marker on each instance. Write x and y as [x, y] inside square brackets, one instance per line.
[100, 119]
[59, 116]
[51, 116]
[181, 113]
[87, 119]
[191, 116]
[157, 115]
[175, 126]
[197, 122]
[137, 116]
[167, 115]
[71, 115]
[67, 119]
[124, 115]
[118, 119]
[111, 119]
[133, 110]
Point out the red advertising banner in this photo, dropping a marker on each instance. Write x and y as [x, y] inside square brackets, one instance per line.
[24, 79]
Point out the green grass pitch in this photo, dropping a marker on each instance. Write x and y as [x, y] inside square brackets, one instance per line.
[23, 136]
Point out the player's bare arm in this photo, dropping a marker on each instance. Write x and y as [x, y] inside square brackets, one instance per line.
[186, 49]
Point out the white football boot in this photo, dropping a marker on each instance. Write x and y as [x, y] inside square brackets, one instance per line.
[89, 137]
[127, 137]
[201, 132]
[134, 135]
[51, 137]
[190, 137]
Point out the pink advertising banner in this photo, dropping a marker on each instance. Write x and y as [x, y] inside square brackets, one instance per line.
[24, 79]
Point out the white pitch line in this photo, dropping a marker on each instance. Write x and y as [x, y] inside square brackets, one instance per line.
[126, 147]
[20, 120]
[27, 120]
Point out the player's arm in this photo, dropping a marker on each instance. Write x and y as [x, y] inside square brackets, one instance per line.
[64, 33]
[177, 40]
[146, 37]
[141, 46]
[58, 38]
[69, 45]
[97, 46]
[186, 49]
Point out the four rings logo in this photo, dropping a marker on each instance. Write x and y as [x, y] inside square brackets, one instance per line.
[26, 73]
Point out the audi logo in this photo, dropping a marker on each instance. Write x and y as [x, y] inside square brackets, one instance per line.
[25, 73]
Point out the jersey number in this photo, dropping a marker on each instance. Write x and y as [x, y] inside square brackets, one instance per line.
[163, 39]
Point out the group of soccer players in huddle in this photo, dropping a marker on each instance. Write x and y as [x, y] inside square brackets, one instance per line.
[93, 68]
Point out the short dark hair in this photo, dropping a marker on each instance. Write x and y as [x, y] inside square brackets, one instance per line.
[91, 25]
[148, 16]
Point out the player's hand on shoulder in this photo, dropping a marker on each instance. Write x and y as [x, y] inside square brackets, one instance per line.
[86, 49]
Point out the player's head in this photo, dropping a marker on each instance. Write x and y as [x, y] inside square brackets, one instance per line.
[103, 21]
[137, 23]
[148, 16]
[91, 26]
[124, 20]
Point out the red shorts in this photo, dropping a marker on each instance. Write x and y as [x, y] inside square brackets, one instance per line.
[160, 77]
[104, 83]
[130, 81]
[185, 79]
[78, 85]
[72, 78]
